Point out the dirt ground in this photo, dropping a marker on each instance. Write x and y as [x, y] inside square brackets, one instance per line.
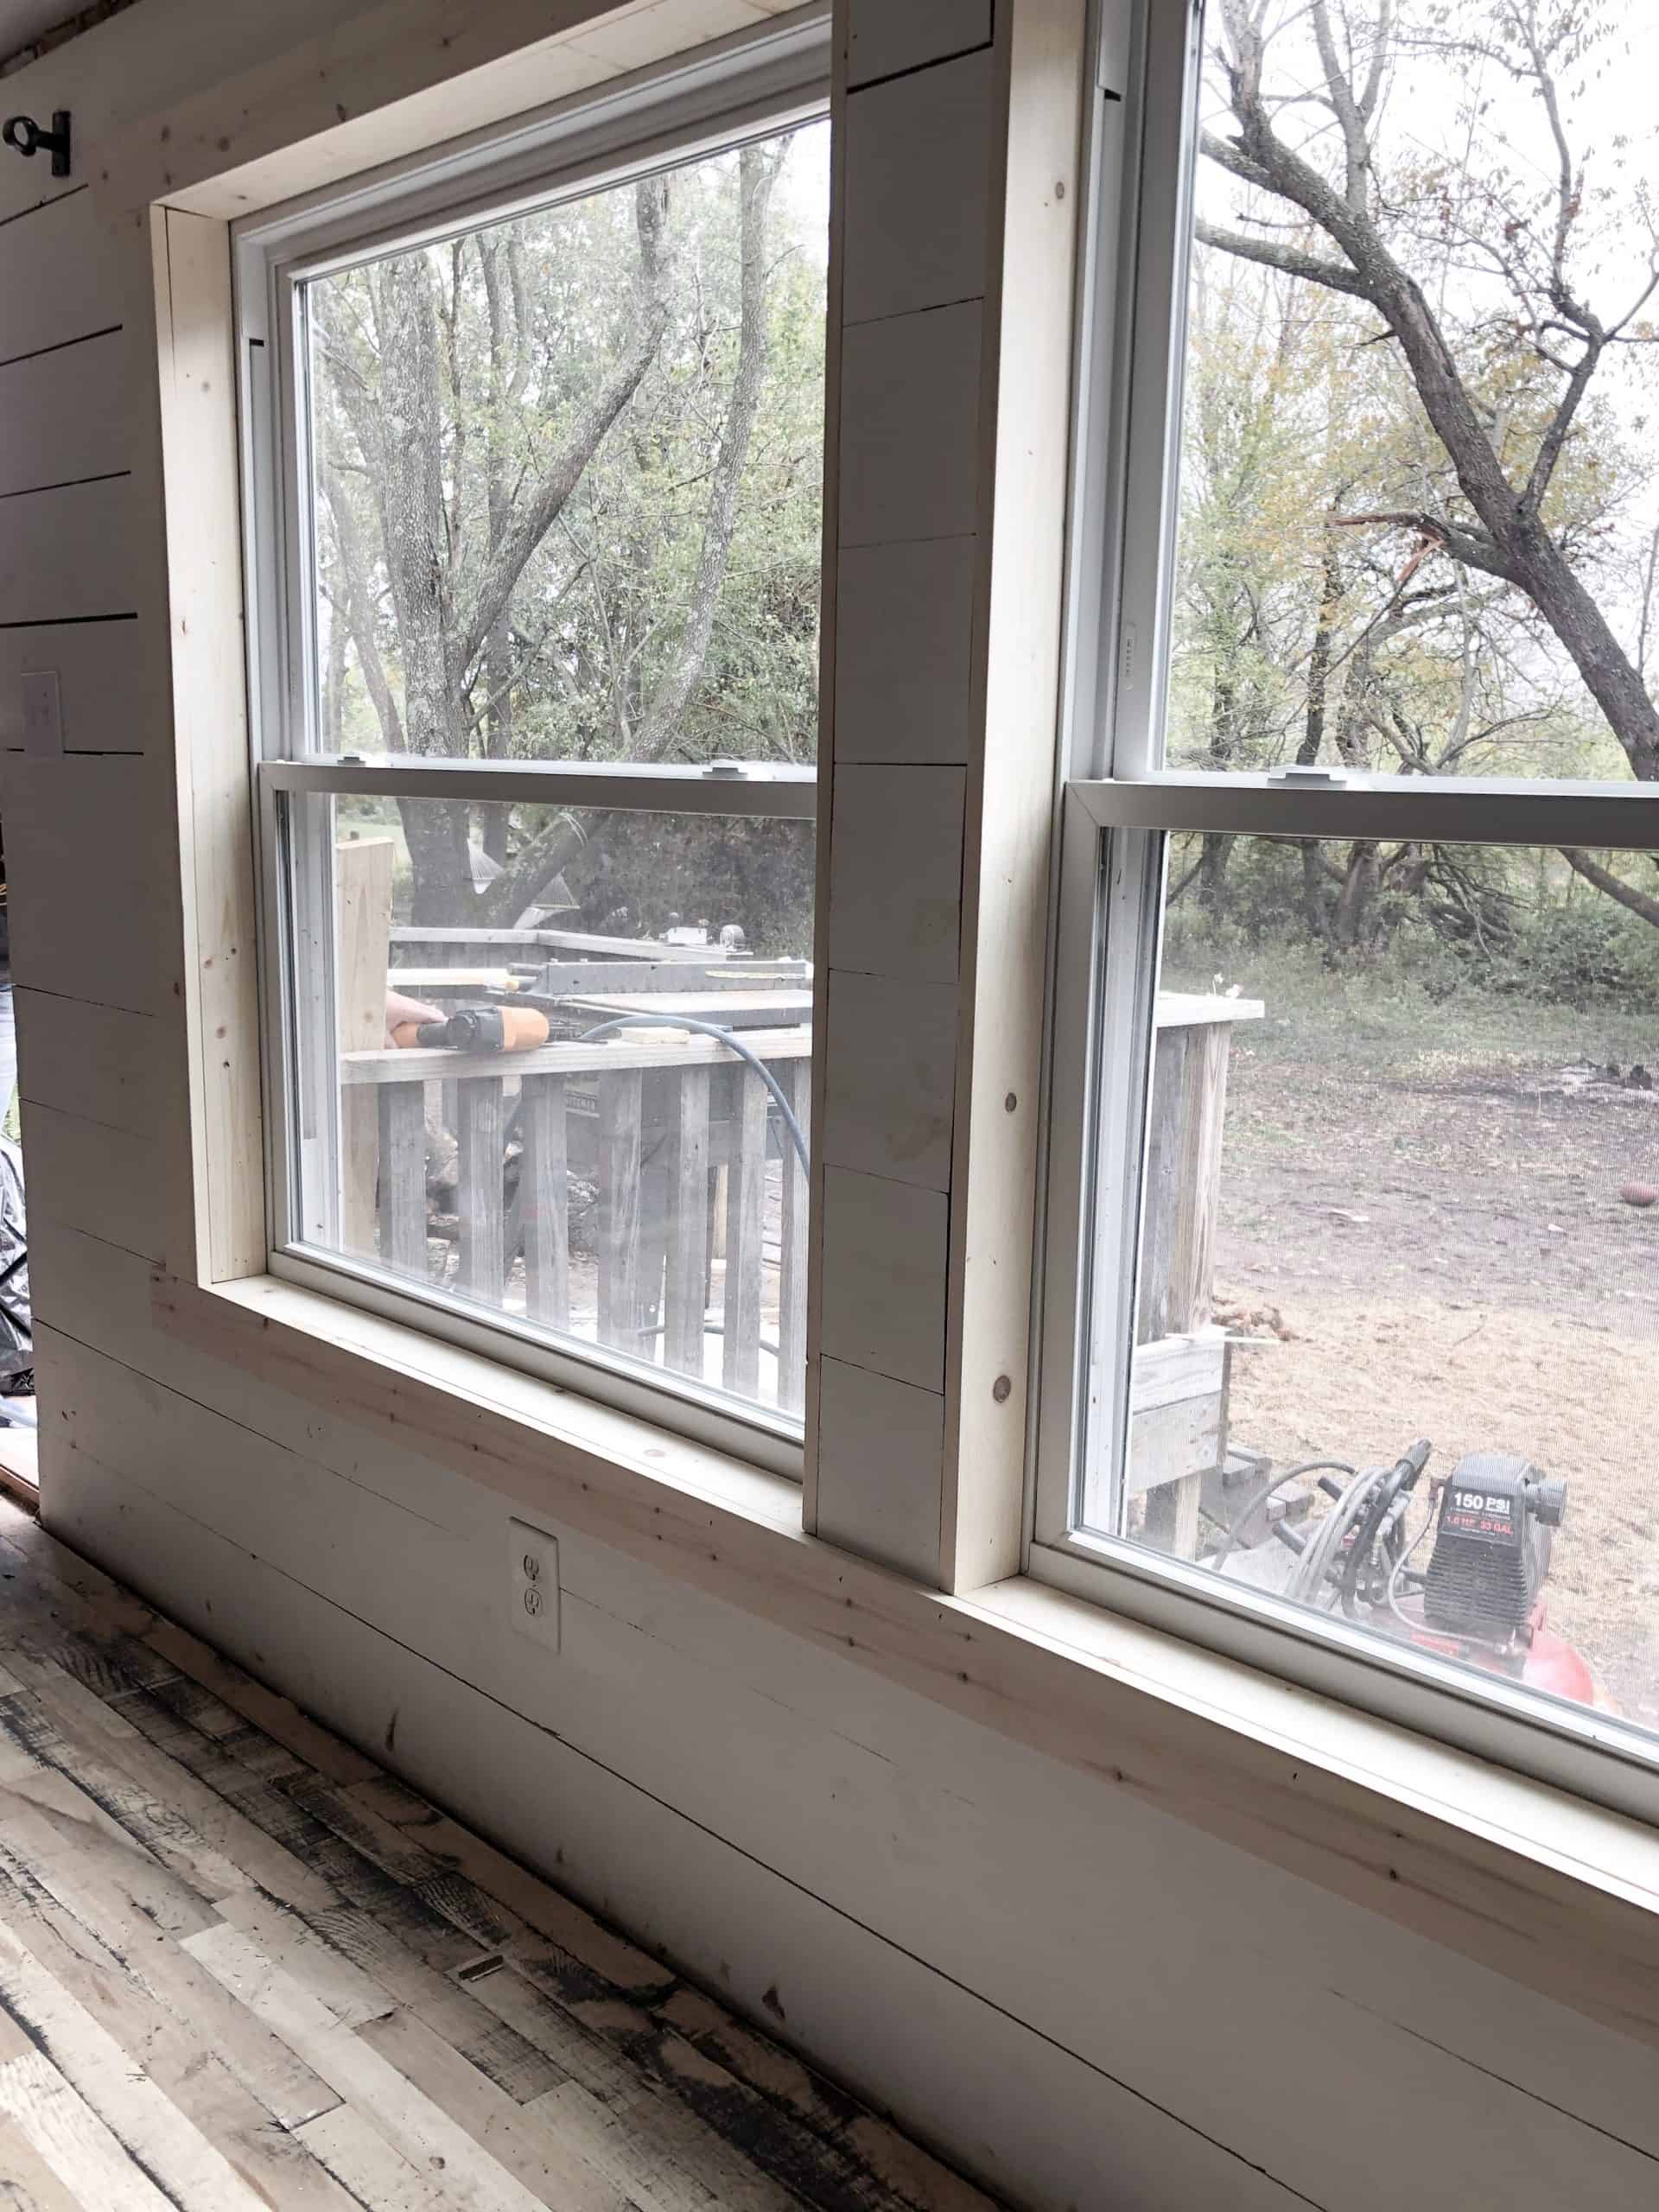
[1442, 1235]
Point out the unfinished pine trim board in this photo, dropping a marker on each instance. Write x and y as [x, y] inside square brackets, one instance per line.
[242, 1970]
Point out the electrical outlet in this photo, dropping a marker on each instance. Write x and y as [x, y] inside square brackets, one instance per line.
[533, 1576]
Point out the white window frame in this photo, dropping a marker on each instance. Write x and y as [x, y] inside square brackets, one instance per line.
[753, 86]
[1113, 805]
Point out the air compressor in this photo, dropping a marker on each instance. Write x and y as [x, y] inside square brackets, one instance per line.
[1480, 1597]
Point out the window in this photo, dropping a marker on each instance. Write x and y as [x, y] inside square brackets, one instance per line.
[1350, 1331]
[534, 440]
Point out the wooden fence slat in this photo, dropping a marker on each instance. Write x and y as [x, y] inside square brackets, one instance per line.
[545, 1200]
[363, 918]
[796, 1080]
[402, 1199]
[685, 1303]
[657, 1121]
[1182, 1200]
[620, 1113]
[746, 1192]
[480, 1129]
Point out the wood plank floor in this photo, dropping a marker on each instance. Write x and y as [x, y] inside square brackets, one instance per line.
[241, 1968]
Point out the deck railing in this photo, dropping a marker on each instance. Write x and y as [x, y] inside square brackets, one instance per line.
[687, 1154]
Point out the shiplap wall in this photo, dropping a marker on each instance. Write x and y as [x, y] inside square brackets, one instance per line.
[1083, 2001]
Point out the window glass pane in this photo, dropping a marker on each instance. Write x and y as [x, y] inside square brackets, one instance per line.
[568, 472]
[1398, 1167]
[1418, 504]
[585, 1114]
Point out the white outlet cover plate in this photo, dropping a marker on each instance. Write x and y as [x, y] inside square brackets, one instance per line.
[533, 1581]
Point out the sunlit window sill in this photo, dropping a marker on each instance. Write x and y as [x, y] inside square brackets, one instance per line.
[1559, 1894]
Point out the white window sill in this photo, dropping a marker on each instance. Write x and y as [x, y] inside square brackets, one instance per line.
[1557, 1893]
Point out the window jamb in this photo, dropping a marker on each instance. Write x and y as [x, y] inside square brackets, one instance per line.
[1128, 419]
[773, 80]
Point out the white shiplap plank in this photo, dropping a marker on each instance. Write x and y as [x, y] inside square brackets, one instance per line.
[110, 690]
[96, 1061]
[918, 172]
[910, 443]
[90, 1177]
[88, 858]
[883, 1265]
[880, 1467]
[889, 1079]
[895, 872]
[59, 274]
[884, 37]
[72, 553]
[66, 414]
[904, 641]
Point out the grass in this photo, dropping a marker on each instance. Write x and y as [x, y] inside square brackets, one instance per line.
[1392, 1017]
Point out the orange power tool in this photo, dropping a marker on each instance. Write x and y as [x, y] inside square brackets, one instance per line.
[478, 1029]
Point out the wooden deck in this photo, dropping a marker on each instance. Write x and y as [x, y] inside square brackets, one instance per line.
[242, 1970]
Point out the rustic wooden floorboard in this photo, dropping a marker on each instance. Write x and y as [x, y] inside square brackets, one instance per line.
[241, 1967]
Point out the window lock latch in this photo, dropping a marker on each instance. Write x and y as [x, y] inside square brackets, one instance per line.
[1296, 772]
[730, 769]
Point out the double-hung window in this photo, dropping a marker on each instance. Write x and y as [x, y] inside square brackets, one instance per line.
[533, 444]
[1351, 1323]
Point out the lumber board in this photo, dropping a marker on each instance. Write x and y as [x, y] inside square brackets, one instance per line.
[61, 273]
[72, 824]
[921, 144]
[71, 553]
[92, 1176]
[621, 1052]
[903, 645]
[886, 36]
[220, 1173]
[401, 1196]
[793, 1212]
[544, 1198]
[880, 1467]
[1044, 62]
[890, 1077]
[686, 1275]
[111, 693]
[65, 416]
[884, 1268]
[895, 872]
[746, 1194]
[910, 426]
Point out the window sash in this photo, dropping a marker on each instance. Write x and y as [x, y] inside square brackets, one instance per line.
[1115, 803]
[1110, 913]
[302, 1089]
[1451, 811]
[754, 85]
[766, 789]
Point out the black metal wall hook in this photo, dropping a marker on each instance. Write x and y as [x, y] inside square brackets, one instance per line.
[27, 135]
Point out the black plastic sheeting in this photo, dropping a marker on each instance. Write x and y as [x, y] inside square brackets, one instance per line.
[16, 1340]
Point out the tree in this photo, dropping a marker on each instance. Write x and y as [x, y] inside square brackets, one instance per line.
[1507, 361]
[537, 451]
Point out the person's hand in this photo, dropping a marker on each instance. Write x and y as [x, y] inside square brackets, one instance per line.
[401, 1008]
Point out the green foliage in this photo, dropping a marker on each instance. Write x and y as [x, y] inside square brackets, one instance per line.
[679, 557]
